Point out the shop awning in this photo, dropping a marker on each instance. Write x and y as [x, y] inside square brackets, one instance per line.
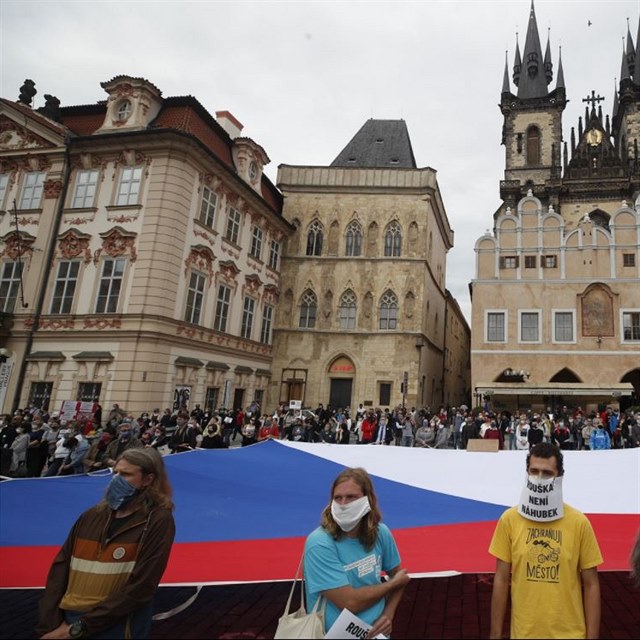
[554, 389]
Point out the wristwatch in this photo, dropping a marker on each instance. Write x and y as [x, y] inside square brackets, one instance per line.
[78, 629]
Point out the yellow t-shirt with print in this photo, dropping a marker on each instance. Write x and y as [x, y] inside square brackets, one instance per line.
[546, 560]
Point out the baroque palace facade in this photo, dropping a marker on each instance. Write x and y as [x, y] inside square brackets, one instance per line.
[556, 295]
[365, 315]
[142, 262]
[147, 241]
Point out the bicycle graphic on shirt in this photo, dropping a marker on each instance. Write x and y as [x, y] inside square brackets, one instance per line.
[546, 554]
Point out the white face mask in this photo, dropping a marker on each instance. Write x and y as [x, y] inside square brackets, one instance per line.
[541, 499]
[347, 516]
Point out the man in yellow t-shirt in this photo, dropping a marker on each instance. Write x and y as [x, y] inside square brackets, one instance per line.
[551, 553]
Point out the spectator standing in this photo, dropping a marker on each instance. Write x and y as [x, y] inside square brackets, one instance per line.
[599, 439]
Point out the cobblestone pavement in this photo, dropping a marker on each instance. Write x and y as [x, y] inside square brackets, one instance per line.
[455, 607]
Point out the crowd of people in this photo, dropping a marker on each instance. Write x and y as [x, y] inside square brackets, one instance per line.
[35, 443]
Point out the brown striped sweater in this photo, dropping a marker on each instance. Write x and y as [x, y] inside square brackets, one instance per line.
[108, 579]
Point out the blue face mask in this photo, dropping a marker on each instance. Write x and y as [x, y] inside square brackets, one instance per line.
[119, 492]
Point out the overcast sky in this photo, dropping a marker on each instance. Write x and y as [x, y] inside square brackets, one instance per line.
[304, 76]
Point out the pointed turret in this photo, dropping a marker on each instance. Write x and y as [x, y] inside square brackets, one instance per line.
[560, 76]
[533, 83]
[517, 63]
[631, 51]
[624, 67]
[506, 88]
[548, 65]
[615, 98]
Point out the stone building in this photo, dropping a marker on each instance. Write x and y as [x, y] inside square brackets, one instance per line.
[556, 295]
[363, 314]
[146, 243]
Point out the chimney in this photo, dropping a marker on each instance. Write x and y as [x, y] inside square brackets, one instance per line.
[229, 123]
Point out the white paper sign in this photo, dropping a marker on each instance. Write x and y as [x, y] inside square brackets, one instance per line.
[348, 625]
[295, 404]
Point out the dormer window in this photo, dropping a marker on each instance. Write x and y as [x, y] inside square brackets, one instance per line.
[253, 171]
[124, 111]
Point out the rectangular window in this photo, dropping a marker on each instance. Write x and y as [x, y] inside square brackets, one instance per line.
[233, 226]
[65, 286]
[208, 207]
[385, 394]
[4, 183]
[9, 285]
[563, 330]
[86, 184]
[32, 190]
[222, 308]
[89, 391]
[530, 262]
[550, 262]
[129, 186]
[258, 396]
[347, 317]
[247, 317]
[265, 333]
[509, 262]
[628, 259]
[631, 326]
[110, 285]
[529, 326]
[40, 394]
[496, 326]
[256, 242]
[195, 296]
[211, 399]
[274, 255]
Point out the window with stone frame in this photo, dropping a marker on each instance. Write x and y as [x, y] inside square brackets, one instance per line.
[631, 326]
[129, 186]
[32, 188]
[89, 391]
[628, 259]
[563, 326]
[347, 310]
[533, 146]
[4, 184]
[388, 311]
[10, 284]
[40, 394]
[248, 310]
[232, 232]
[265, 332]
[65, 286]
[393, 240]
[353, 239]
[195, 297]
[84, 194]
[308, 310]
[256, 242]
[208, 206]
[110, 285]
[529, 326]
[211, 399]
[274, 255]
[496, 326]
[223, 302]
[314, 239]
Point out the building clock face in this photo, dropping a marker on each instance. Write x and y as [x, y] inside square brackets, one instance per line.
[594, 137]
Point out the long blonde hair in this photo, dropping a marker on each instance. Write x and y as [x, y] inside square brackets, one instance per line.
[368, 527]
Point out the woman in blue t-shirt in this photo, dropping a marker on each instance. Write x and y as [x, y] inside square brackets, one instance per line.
[344, 558]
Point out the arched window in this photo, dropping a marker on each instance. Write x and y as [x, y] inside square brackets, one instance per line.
[347, 310]
[392, 240]
[388, 311]
[308, 310]
[314, 239]
[600, 218]
[353, 245]
[533, 146]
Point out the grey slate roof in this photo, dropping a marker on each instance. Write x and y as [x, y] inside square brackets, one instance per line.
[535, 85]
[378, 144]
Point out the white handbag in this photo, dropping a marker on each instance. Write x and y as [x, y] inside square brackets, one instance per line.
[301, 624]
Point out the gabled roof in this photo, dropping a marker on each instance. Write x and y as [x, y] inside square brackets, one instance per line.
[37, 118]
[379, 143]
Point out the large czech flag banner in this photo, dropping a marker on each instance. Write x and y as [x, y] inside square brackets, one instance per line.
[242, 515]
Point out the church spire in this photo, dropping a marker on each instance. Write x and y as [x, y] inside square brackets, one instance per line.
[631, 51]
[533, 83]
[517, 63]
[505, 80]
[615, 98]
[624, 67]
[636, 70]
[548, 66]
[560, 75]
